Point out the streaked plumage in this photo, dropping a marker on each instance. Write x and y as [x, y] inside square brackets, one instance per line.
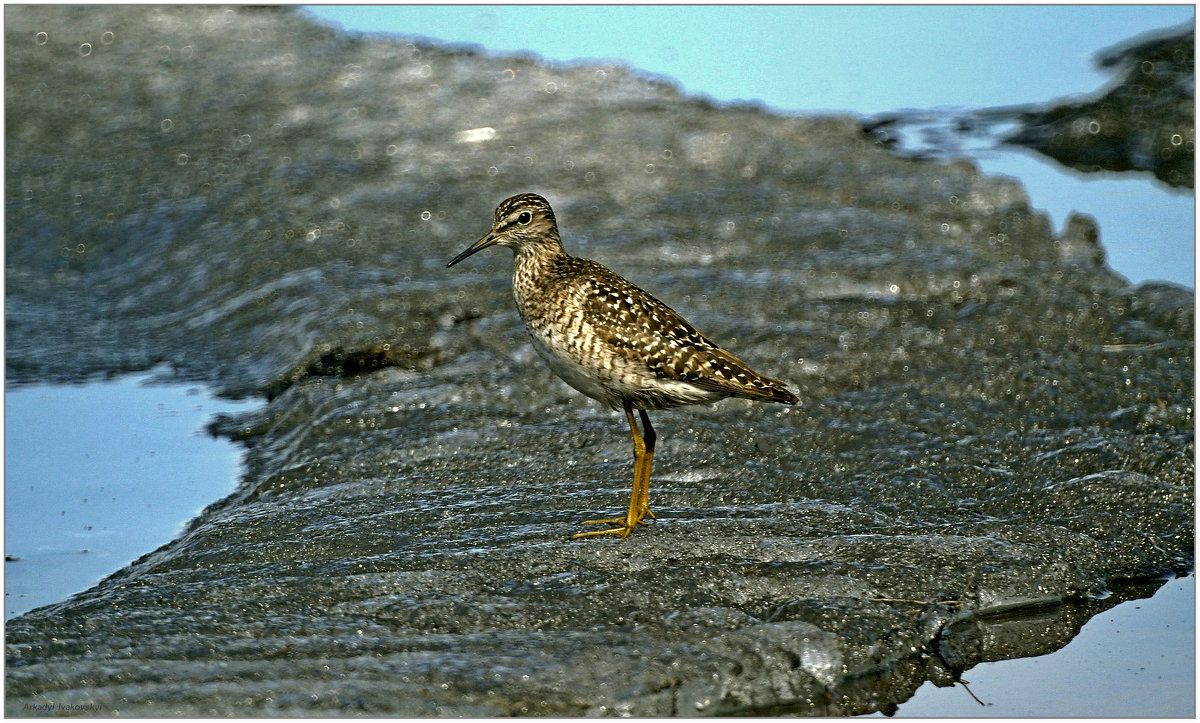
[610, 339]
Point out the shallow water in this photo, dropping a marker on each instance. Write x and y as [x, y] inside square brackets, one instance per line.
[1135, 660]
[100, 473]
[1124, 205]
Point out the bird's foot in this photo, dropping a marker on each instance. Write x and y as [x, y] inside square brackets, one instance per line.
[624, 525]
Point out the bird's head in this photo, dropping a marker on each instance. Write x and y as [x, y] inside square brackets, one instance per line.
[524, 221]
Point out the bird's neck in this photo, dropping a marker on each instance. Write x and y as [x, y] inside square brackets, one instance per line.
[534, 271]
[535, 260]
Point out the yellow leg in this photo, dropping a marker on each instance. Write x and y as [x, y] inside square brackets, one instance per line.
[639, 504]
[648, 438]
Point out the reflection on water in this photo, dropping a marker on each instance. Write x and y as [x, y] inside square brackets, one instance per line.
[1125, 205]
[1136, 659]
[97, 475]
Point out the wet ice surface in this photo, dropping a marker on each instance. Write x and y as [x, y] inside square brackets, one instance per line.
[98, 474]
[992, 423]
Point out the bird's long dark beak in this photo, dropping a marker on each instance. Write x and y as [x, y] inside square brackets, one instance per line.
[479, 245]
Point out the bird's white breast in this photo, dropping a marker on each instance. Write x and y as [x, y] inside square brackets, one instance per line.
[613, 383]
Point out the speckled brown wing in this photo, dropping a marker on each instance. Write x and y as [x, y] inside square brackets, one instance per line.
[667, 344]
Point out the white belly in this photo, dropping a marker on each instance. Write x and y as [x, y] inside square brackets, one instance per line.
[571, 372]
[612, 385]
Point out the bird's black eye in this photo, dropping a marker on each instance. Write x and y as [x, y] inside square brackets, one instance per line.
[524, 218]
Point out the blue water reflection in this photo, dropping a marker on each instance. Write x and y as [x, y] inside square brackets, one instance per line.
[97, 475]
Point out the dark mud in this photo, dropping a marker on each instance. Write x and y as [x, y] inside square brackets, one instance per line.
[991, 420]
